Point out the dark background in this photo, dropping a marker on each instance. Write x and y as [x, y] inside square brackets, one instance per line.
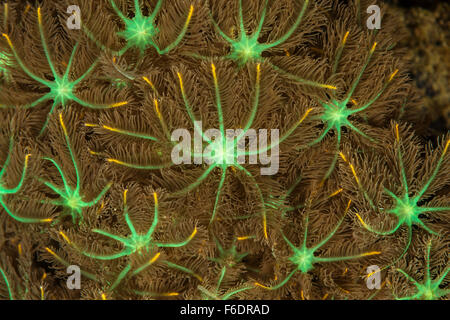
[428, 27]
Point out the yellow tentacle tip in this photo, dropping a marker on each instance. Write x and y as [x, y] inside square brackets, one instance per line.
[149, 82]
[372, 253]
[191, 11]
[397, 135]
[62, 123]
[373, 47]
[180, 78]
[199, 278]
[393, 75]
[361, 220]
[42, 292]
[158, 111]
[9, 41]
[119, 104]
[327, 86]
[305, 115]
[336, 192]
[172, 294]
[193, 233]
[152, 260]
[65, 237]
[50, 251]
[125, 192]
[102, 205]
[155, 196]
[265, 227]
[213, 68]
[345, 37]
[39, 15]
[446, 147]
[93, 152]
[342, 156]
[262, 286]
[348, 205]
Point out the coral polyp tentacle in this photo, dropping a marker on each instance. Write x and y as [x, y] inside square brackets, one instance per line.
[140, 31]
[429, 289]
[62, 89]
[406, 208]
[137, 242]
[304, 259]
[70, 197]
[336, 115]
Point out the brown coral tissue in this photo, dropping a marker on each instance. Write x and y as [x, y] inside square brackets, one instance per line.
[216, 149]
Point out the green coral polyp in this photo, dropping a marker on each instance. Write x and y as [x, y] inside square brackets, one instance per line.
[71, 198]
[408, 210]
[429, 289]
[139, 242]
[228, 257]
[61, 88]
[336, 114]
[136, 242]
[75, 203]
[139, 32]
[304, 259]
[220, 154]
[246, 49]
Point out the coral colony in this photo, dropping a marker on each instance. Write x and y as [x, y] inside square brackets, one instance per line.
[221, 149]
